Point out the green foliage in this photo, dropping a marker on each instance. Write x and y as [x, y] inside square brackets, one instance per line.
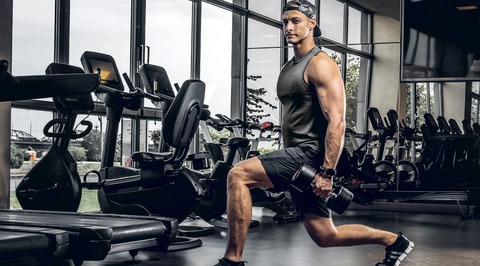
[351, 90]
[266, 150]
[16, 157]
[14, 204]
[89, 201]
[256, 102]
[420, 100]
[155, 136]
[352, 78]
[216, 136]
[92, 143]
[78, 153]
[118, 150]
[474, 112]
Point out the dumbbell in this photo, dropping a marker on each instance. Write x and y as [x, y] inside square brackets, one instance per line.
[339, 198]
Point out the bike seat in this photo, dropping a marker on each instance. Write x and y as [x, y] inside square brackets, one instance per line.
[150, 158]
[238, 142]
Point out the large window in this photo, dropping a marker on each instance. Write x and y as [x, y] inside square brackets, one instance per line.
[351, 90]
[263, 67]
[168, 35]
[423, 100]
[269, 8]
[100, 26]
[358, 30]
[332, 15]
[105, 27]
[33, 36]
[216, 58]
[346, 30]
[32, 127]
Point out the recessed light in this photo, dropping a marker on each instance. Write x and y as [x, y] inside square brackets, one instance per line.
[467, 7]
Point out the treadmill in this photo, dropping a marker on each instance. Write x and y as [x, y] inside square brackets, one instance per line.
[69, 235]
[32, 243]
[92, 236]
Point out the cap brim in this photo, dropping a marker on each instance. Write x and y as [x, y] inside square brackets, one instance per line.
[317, 32]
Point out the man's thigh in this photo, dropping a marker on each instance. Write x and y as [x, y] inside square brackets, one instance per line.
[281, 165]
[252, 173]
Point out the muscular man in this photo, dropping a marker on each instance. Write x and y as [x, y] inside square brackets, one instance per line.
[311, 91]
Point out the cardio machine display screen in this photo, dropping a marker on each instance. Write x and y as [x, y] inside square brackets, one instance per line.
[108, 75]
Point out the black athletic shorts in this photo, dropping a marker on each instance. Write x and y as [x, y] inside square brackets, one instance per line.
[281, 165]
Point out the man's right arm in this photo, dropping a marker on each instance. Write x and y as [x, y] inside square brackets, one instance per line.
[323, 72]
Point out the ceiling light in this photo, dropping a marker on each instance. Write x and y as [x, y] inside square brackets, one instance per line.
[467, 8]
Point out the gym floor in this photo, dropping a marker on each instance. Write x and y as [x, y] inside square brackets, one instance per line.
[439, 240]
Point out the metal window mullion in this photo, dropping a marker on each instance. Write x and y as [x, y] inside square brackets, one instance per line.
[239, 66]
[345, 24]
[468, 100]
[438, 98]
[62, 31]
[137, 40]
[196, 39]
[195, 59]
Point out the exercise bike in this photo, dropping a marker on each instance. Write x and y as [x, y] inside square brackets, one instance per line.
[160, 184]
[276, 201]
[52, 189]
[387, 169]
[54, 183]
[408, 176]
[213, 206]
[212, 203]
[357, 172]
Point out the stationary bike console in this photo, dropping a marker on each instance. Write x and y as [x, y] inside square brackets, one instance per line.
[14, 88]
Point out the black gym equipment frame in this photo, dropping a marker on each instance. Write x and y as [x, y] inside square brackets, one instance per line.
[433, 192]
[38, 243]
[159, 184]
[92, 236]
[69, 235]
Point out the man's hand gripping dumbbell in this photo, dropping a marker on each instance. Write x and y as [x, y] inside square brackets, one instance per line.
[320, 182]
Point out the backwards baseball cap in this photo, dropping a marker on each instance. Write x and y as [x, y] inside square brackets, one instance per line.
[306, 8]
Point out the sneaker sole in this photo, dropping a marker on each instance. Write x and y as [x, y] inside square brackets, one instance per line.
[405, 253]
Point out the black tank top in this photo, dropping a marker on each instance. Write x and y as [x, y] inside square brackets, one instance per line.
[303, 121]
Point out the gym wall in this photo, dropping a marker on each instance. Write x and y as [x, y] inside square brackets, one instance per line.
[386, 65]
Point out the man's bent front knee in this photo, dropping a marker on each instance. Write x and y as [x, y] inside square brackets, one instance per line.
[248, 173]
[236, 177]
